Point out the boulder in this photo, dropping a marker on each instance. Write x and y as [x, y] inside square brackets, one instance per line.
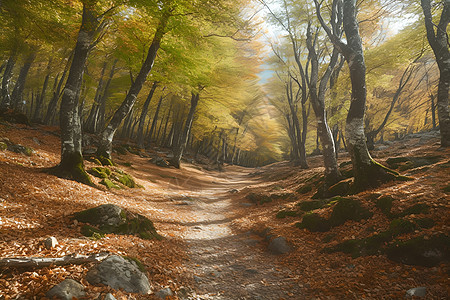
[110, 218]
[66, 290]
[279, 245]
[164, 293]
[417, 292]
[119, 273]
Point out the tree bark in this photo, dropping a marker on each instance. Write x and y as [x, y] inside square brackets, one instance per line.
[438, 41]
[317, 99]
[90, 124]
[367, 172]
[105, 146]
[155, 119]
[179, 149]
[140, 132]
[52, 105]
[17, 94]
[40, 100]
[6, 82]
[71, 165]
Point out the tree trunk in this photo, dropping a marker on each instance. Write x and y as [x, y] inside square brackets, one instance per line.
[433, 111]
[178, 151]
[17, 94]
[140, 132]
[89, 125]
[439, 43]
[155, 119]
[317, 98]
[40, 100]
[105, 146]
[71, 165]
[6, 81]
[367, 172]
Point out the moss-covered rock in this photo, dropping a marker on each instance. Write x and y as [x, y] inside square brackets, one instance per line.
[342, 188]
[3, 146]
[419, 208]
[304, 189]
[311, 205]
[425, 222]
[100, 172]
[358, 247]
[105, 161]
[109, 184]
[109, 218]
[314, 222]
[259, 198]
[135, 261]
[126, 180]
[421, 251]
[384, 203]
[28, 151]
[401, 226]
[286, 213]
[92, 232]
[348, 209]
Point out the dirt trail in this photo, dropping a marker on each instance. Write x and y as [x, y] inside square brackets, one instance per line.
[225, 264]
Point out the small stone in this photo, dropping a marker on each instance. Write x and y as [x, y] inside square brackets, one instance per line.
[279, 245]
[417, 292]
[164, 293]
[50, 242]
[109, 296]
[66, 290]
[233, 191]
[197, 279]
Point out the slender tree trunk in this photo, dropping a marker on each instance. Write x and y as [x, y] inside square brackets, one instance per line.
[438, 41]
[178, 151]
[89, 125]
[105, 146]
[433, 111]
[17, 94]
[317, 98]
[155, 119]
[71, 165]
[41, 99]
[6, 82]
[140, 132]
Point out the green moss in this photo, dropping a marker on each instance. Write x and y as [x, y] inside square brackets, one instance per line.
[348, 209]
[447, 189]
[421, 251]
[358, 247]
[286, 213]
[138, 225]
[258, 198]
[100, 172]
[109, 184]
[72, 167]
[3, 146]
[127, 180]
[385, 204]
[419, 208]
[313, 222]
[304, 189]
[105, 161]
[425, 222]
[92, 232]
[401, 226]
[311, 205]
[138, 263]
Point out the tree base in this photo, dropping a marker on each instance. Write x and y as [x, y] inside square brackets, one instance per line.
[72, 167]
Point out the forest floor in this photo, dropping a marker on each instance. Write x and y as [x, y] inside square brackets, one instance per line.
[215, 238]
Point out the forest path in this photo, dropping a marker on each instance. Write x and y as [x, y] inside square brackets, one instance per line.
[226, 264]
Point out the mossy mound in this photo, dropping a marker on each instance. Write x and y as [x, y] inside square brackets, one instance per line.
[3, 146]
[407, 163]
[126, 180]
[259, 198]
[384, 203]
[348, 209]
[315, 223]
[401, 226]
[28, 151]
[421, 251]
[419, 208]
[304, 189]
[105, 161]
[287, 213]
[358, 247]
[100, 172]
[109, 218]
[311, 205]
[425, 223]
[109, 184]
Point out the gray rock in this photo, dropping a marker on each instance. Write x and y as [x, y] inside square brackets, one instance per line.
[417, 292]
[109, 296]
[50, 242]
[119, 273]
[279, 245]
[67, 290]
[164, 293]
